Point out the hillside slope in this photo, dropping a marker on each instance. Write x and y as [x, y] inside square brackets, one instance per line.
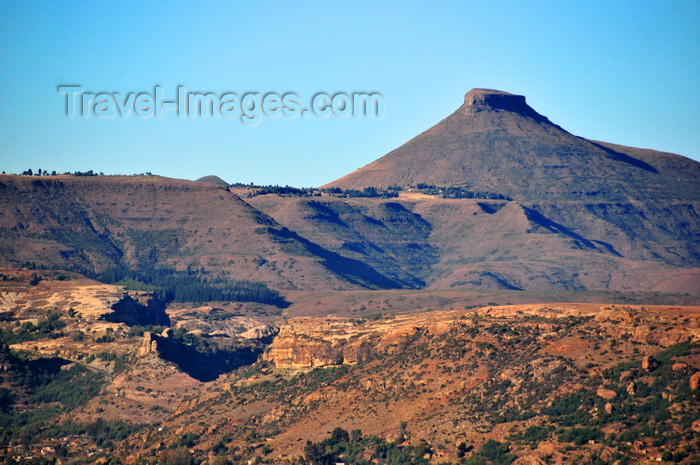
[92, 224]
[551, 383]
[82, 380]
[577, 214]
[496, 244]
[496, 143]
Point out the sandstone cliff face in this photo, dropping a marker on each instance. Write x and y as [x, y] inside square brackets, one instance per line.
[293, 350]
[313, 342]
[138, 308]
[89, 300]
[148, 344]
[302, 345]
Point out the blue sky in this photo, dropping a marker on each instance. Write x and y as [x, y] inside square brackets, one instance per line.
[618, 71]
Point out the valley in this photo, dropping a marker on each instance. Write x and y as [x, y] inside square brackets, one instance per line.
[495, 291]
[255, 382]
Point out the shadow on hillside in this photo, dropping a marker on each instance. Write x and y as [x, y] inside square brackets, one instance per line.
[205, 364]
[619, 156]
[351, 270]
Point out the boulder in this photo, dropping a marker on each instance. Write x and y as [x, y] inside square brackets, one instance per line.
[606, 394]
[696, 426]
[695, 381]
[649, 363]
[679, 366]
[625, 375]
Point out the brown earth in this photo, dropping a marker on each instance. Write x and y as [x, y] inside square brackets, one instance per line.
[449, 375]
[496, 143]
[411, 364]
[90, 224]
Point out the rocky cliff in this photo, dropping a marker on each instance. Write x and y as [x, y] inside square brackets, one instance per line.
[322, 342]
[86, 299]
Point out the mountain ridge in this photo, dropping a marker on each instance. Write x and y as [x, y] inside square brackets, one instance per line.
[488, 329]
[91, 224]
[495, 142]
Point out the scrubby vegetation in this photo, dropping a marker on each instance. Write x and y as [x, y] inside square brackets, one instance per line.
[47, 390]
[545, 398]
[48, 326]
[355, 449]
[367, 192]
[450, 192]
[498, 388]
[288, 191]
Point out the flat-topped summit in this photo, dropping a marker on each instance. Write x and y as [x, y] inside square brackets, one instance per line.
[490, 99]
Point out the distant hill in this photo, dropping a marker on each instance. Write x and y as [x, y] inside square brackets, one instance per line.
[214, 179]
[94, 224]
[496, 143]
[546, 313]
[575, 214]
[551, 212]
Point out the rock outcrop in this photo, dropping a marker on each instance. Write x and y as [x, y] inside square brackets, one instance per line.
[309, 343]
[649, 363]
[292, 349]
[217, 323]
[495, 100]
[148, 344]
[695, 381]
[306, 343]
[202, 364]
[88, 300]
[606, 394]
[644, 325]
[679, 366]
[138, 308]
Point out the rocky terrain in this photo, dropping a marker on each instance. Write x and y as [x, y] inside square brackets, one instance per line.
[496, 291]
[554, 383]
[143, 383]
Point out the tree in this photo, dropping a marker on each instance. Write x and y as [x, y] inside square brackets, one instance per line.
[6, 399]
[462, 449]
[34, 280]
[339, 435]
[315, 453]
[497, 452]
